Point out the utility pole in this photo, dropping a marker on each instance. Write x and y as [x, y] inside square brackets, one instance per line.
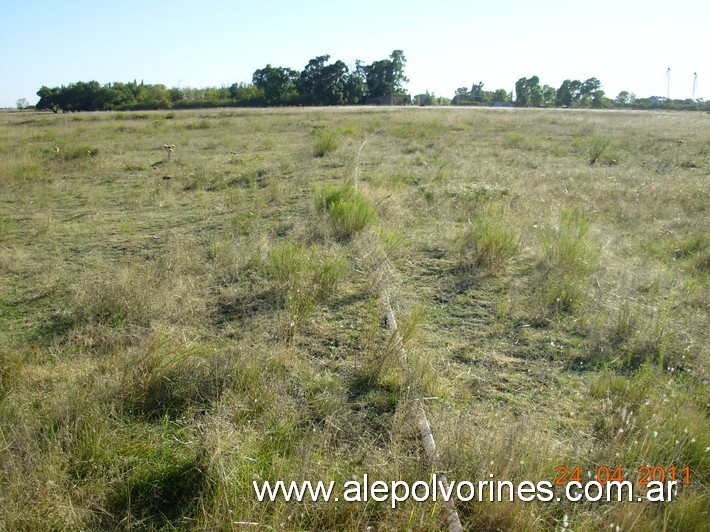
[695, 83]
[668, 80]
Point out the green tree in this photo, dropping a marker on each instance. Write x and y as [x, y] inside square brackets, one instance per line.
[462, 96]
[278, 84]
[528, 92]
[310, 83]
[549, 95]
[522, 98]
[156, 97]
[425, 99]
[246, 95]
[599, 100]
[386, 76]
[355, 85]
[477, 92]
[501, 95]
[323, 84]
[569, 93]
[625, 98]
[587, 90]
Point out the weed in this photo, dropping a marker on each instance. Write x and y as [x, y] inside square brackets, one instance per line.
[301, 280]
[286, 167]
[489, 242]
[597, 148]
[163, 477]
[166, 379]
[349, 217]
[566, 246]
[112, 308]
[324, 142]
[75, 152]
[382, 350]
[28, 172]
[327, 277]
[349, 210]
[443, 170]
[200, 125]
[570, 258]
[287, 264]
[516, 140]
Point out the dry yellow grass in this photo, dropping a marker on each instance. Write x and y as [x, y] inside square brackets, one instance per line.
[175, 325]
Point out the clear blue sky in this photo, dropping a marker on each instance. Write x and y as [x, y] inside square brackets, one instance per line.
[448, 43]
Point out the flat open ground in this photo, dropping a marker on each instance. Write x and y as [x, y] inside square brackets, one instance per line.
[176, 325]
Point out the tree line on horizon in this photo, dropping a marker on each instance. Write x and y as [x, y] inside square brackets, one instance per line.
[319, 83]
[322, 83]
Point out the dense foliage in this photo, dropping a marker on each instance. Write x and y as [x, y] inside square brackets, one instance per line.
[572, 93]
[324, 83]
[320, 83]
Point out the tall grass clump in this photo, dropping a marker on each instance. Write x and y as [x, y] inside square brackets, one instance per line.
[154, 477]
[488, 242]
[633, 336]
[567, 247]
[167, 379]
[75, 152]
[598, 146]
[516, 140]
[569, 260]
[301, 280]
[348, 209]
[324, 142]
[381, 350]
[110, 310]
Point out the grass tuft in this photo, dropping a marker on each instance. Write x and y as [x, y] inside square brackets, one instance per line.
[166, 379]
[569, 260]
[598, 146]
[324, 142]
[489, 242]
[349, 210]
[75, 152]
[302, 279]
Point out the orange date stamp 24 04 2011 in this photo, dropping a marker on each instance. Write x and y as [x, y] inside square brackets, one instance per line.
[606, 474]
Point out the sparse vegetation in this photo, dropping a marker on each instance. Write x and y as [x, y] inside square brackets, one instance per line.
[172, 332]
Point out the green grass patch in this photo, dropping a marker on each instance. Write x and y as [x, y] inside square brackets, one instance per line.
[349, 210]
[570, 257]
[324, 142]
[488, 242]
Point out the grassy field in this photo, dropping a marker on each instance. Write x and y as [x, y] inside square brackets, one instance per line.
[175, 325]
